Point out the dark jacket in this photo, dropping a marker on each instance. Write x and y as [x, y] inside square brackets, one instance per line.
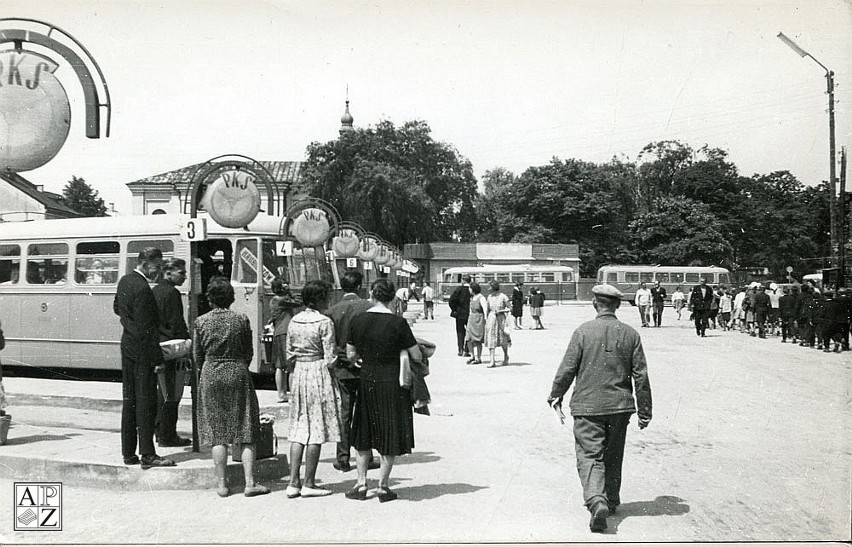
[341, 314]
[607, 360]
[762, 303]
[135, 304]
[460, 303]
[658, 295]
[172, 324]
[787, 306]
[699, 301]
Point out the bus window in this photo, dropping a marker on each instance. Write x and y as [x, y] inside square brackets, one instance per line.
[247, 263]
[692, 278]
[661, 277]
[517, 278]
[646, 277]
[135, 247]
[276, 265]
[612, 277]
[566, 276]
[47, 263]
[631, 277]
[724, 279]
[548, 277]
[97, 263]
[676, 277]
[10, 264]
[502, 278]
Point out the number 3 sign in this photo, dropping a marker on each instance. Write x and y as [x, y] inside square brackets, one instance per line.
[194, 229]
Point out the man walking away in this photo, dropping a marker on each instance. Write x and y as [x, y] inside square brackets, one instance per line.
[604, 355]
[658, 301]
[172, 327]
[460, 309]
[428, 294]
[762, 304]
[787, 311]
[141, 358]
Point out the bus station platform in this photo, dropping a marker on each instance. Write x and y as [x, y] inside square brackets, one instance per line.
[70, 432]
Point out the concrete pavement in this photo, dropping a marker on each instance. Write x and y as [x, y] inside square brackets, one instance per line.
[750, 441]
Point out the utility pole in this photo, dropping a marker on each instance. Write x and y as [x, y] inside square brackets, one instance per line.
[842, 233]
[832, 158]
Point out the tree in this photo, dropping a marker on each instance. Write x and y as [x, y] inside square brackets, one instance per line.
[680, 231]
[81, 197]
[395, 181]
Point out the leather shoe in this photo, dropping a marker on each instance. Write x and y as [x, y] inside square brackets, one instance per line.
[343, 467]
[133, 460]
[386, 494]
[255, 490]
[156, 461]
[600, 512]
[316, 492]
[357, 493]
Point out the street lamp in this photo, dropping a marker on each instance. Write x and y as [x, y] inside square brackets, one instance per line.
[829, 76]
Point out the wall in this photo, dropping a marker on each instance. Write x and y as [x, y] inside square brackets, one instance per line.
[17, 206]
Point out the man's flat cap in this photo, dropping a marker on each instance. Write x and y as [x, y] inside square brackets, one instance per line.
[606, 290]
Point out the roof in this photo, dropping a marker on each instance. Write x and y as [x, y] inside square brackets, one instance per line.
[52, 205]
[280, 171]
[647, 267]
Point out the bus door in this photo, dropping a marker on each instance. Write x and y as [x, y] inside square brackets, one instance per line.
[249, 277]
[216, 256]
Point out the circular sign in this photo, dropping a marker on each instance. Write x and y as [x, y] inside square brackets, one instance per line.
[368, 249]
[789, 269]
[311, 227]
[35, 115]
[233, 199]
[345, 243]
[382, 256]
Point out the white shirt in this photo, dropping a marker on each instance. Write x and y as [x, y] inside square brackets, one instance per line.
[428, 293]
[677, 295]
[643, 297]
[402, 294]
[725, 303]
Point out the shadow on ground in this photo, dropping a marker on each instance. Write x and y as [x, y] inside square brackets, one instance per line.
[662, 506]
[38, 438]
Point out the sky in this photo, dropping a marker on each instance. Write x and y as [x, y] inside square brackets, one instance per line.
[508, 83]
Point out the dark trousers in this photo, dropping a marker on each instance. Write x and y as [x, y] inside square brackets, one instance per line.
[807, 331]
[760, 319]
[461, 332]
[348, 388]
[167, 406]
[788, 328]
[700, 318]
[599, 445]
[428, 309]
[658, 313]
[139, 404]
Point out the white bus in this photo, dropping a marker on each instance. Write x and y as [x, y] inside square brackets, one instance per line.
[556, 282]
[628, 278]
[58, 280]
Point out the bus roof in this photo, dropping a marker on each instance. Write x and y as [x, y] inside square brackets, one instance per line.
[507, 268]
[658, 267]
[126, 225]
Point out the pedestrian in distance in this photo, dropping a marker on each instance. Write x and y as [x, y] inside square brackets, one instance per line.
[459, 309]
[346, 373]
[282, 306]
[787, 312]
[384, 418]
[172, 327]
[228, 412]
[141, 359]
[833, 323]
[428, 294]
[314, 401]
[726, 306]
[496, 329]
[518, 304]
[678, 300]
[699, 302]
[536, 304]
[714, 308]
[476, 324]
[762, 304]
[658, 302]
[606, 359]
[642, 299]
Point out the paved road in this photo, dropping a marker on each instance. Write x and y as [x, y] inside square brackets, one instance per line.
[750, 441]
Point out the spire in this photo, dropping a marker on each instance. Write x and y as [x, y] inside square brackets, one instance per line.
[346, 120]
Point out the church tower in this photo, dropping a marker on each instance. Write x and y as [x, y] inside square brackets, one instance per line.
[346, 120]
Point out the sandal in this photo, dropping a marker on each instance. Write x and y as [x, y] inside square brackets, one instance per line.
[386, 494]
[357, 493]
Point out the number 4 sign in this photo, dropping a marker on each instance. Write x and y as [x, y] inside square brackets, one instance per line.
[284, 248]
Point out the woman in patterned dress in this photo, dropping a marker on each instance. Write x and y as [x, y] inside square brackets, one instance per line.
[476, 324]
[383, 416]
[495, 323]
[281, 308]
[228, 412]
[314, 398]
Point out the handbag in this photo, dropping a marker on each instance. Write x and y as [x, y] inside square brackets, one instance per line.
[265, 447]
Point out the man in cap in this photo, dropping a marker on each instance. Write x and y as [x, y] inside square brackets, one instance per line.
[603, 356]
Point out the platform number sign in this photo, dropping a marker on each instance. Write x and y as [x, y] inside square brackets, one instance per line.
[194, 229]
[284, 248]
[351, 262]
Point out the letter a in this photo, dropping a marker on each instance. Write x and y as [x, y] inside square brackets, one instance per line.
[27, 495]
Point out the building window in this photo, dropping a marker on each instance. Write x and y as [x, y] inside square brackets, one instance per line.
[158, 212]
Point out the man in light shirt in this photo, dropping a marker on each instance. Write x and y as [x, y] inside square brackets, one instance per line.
[428, 294]
[643, 301]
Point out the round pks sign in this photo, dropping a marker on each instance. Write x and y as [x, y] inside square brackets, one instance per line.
[311, 227]
[35, 114]
[233, 199]
[368, 249]
[345, 243]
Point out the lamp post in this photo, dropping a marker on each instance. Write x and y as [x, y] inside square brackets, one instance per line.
[829, 76]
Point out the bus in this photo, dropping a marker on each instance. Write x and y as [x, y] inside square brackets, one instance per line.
[627, 278]
[58, 279]
[556, 282]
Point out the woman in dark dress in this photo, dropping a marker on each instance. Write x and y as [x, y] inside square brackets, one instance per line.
[383, 417]
[228, 411]
[281, 308]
